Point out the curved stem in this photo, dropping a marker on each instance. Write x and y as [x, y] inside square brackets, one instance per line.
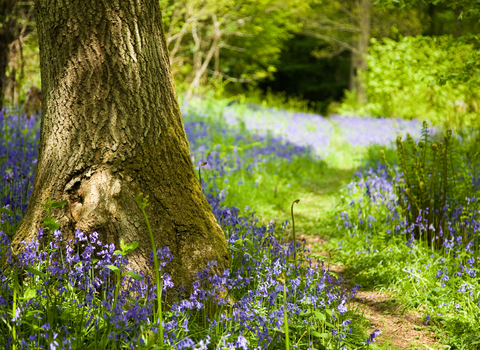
[294, 237]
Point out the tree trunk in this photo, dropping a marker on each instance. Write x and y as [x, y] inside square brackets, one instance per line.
[111, 128]
[431, 13]
[4, 42]
[361, 49]
[6, 38]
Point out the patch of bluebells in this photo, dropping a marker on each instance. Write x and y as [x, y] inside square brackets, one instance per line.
[364, 131]
[66, 292]
[205, 146]
[303, 129]
[18, 157]
[241, 308]
[316, 131]
[372, 223]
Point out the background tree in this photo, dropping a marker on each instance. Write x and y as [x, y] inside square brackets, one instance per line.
[468, 10]
[111, 128]
[238, 41]
[349, 25]
[15, 25]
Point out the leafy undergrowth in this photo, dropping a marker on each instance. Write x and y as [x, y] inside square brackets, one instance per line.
[81, 294]
[378, 247]
[251, 177]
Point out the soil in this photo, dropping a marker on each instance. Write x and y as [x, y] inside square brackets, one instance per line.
[401, 328]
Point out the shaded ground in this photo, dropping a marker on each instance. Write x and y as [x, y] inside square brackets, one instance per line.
[403, 329]
[319, 195]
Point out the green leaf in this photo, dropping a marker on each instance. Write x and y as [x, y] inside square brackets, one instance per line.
[34, 271]
[322, 335]
[51, 224]
[244, 242]
[65, 315]
[59, 204]
[141, 201]
[33, 326]
[319, 257]
[331, 273]
[320, 316]
[131, 247]
[6, 211]
[29, 294]
[134, 275]
[30, 315]
[43, 205]
[114, 269]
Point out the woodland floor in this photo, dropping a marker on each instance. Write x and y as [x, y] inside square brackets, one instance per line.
[402, 328]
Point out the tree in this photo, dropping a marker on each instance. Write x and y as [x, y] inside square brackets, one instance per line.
[111, 128]
[346, 25]
[15, 24]
[349, 25]
[235, 40]
[470, 71]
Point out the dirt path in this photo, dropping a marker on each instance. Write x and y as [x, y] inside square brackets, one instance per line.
[404, 330]
[401, 328]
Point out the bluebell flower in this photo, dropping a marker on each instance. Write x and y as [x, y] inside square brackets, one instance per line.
[427, 319]
[342, 309]
[371, 339]
[241, 342]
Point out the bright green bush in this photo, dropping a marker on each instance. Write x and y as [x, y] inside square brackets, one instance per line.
[400, 81]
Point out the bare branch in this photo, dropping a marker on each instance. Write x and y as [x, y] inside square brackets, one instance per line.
[235, 80]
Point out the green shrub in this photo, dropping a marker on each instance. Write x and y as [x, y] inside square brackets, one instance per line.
[437, 177]
[401, 81]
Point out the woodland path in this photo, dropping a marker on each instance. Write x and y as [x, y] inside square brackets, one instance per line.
[402, 328]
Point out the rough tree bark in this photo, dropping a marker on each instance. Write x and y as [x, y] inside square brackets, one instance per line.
[111, 127]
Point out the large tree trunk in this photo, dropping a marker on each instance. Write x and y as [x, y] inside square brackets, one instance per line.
[358, 62]
[111, 127]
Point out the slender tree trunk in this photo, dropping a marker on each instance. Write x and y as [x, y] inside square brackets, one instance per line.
[3, 69]
[6, 38]
[431, 13]
[111, 128]
[201, 68]
[361, 48]
[458, 22]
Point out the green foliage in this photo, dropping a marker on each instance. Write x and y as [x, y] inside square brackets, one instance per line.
[467, 7]
[441, 285]
[230, 40]
[300, 74]
[278, 100]
[23, 70]
[401, 81]
[436, 179]
[49, 222]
